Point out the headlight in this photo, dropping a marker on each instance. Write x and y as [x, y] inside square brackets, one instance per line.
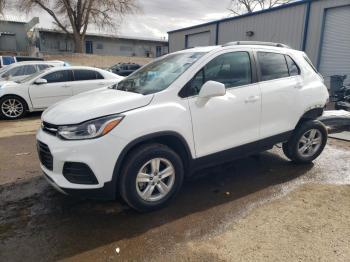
[90, 129]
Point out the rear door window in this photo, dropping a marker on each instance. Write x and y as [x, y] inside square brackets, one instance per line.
[29, 69]
[43, 67]
[272, 66]
[59, 76]
[22, 70]
[83, 75]
[18, 71]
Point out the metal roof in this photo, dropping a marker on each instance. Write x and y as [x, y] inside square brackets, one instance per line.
[107, 35]
[12, 19]
[300, 2]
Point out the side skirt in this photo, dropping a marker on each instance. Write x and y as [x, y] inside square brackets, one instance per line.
[238, 152]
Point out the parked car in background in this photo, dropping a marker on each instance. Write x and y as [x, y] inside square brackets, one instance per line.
[124, 69]
[44, 88]
[28, 58]
[20, 70]
[7, 60]
[181, 112]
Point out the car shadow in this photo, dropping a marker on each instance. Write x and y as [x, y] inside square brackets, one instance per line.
[64, 226]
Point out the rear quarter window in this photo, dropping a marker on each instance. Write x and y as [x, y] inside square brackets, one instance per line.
[292, 66]
[310, 64]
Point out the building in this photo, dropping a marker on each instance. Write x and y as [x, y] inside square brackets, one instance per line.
[321, 28]
[14, 34]
[55, 42]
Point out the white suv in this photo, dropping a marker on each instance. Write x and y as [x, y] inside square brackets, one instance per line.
[184, 111]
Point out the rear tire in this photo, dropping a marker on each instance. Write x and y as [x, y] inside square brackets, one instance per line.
[307, 142]
[12, 107]
[151, 176]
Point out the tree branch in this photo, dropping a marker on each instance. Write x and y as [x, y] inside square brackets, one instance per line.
[52, 14]
[239, 7]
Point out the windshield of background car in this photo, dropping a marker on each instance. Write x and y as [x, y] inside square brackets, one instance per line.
[30, 77]
[159, 74]
[3, 70]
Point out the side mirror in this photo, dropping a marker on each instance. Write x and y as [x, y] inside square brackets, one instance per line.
[40, 81]
[212, 89]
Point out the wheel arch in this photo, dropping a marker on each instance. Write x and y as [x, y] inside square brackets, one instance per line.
[169, 138]
[18, 96]
[311, 114]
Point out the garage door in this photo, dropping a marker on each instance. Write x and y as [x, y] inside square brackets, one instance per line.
[335, 55]
[7, 42]
[200, 39]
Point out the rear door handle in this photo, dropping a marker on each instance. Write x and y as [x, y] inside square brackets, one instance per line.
[66, 86]
[101, 84]
[252, 99]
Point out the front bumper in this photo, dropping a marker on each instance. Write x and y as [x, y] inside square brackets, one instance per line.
[107, 192]
[100, 155]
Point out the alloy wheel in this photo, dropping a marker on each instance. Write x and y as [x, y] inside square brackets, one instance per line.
[309, 143]
[12, 108]
[155, 179]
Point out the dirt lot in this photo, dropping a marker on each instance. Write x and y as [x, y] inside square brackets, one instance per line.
[97, 60]
[261, 208]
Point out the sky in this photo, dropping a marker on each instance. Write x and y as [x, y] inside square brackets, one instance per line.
[156, 17]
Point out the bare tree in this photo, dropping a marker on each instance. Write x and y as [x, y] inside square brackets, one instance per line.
[2, 5]
[75, 16]
[239, 7]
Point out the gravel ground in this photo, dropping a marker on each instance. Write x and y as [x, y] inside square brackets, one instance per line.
[309, 224]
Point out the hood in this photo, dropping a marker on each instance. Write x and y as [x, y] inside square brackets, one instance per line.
[7, 83]
[93, 104]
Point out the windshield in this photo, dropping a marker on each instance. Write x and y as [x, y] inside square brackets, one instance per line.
[159, 74]
[30, 77]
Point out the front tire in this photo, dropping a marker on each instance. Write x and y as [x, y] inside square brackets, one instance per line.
[307, 142]
[12, 107]
[151, 177]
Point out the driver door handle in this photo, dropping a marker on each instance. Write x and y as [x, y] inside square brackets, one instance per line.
[252, 99]
[66, 86]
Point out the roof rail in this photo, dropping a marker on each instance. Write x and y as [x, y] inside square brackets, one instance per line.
[256, 43]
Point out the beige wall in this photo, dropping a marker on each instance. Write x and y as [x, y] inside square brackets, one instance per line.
[177, 39]
[316, 23]
[283, 25]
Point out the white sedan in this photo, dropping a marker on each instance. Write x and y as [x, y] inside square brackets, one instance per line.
[47, 87]
[20, 70]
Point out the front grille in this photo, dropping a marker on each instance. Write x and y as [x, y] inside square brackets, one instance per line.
[79, 173]
[45, 156]
[49, 128]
